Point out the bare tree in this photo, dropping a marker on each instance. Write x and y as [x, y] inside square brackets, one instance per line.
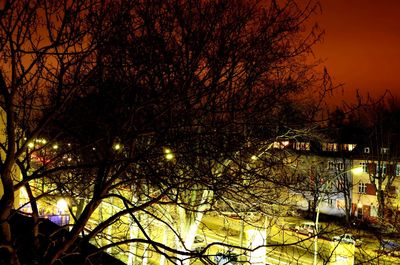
[152, 106]
[45, 48]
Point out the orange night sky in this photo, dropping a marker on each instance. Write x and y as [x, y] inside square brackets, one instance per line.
[361, 47]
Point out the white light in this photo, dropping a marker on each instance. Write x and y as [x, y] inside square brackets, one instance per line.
[55, 146]
[62, 206]
[23, 193]
[258, 239]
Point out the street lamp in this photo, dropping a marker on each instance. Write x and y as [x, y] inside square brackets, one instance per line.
[356, 170]
[169, 155]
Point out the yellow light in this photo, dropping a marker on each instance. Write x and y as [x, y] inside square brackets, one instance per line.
[44, 141]
[168, 154]
[254, 158]
[117, 147]
[31, 145]
[167, 150]
[55, 146]
[62, 205]
[357, 170]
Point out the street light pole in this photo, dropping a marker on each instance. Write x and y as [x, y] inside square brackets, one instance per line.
[316, 232]
[353, 170]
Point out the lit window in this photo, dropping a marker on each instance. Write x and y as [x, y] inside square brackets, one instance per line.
[382, 168]
[304, 146]
[362, 187]
[340, 184]
[280, 145]
[330, 147]
[384, 150]
[348, 147]
[374, 211]
[364, 167]
[335, 165]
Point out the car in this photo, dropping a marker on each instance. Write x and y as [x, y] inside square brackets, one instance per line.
[198, 244]
[348, 239]
[389, 247]
[229, 258]
[252, 216]
[289, 226]
[306, 228]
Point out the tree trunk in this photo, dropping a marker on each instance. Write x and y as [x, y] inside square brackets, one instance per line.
[55, 253]
[347, 198]
[6, 204]
[35, 218]
[381, 203]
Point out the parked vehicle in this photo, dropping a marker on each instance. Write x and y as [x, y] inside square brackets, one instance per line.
[289, 226]
[306, 228]
[348, 239]
[198, 244]
[389, 247]
[228, 258]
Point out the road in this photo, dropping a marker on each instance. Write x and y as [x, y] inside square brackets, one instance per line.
[288, 247]
[285, 247]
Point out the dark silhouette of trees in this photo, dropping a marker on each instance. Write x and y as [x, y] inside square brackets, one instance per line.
[45, 50]
[148, 111]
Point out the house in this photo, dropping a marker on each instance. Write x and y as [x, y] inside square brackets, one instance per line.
[324, 175]
[380, 175]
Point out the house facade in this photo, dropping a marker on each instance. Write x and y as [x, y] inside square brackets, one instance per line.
[380, 174]
[351, 177]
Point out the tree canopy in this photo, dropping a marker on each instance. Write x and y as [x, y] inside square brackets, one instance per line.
[136, 109]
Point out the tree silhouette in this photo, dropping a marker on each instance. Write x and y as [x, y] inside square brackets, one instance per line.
[144, 108]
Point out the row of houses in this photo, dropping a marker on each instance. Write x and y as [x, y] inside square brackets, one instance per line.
[350, 176]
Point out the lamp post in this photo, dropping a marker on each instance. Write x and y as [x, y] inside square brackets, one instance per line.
[355, 170]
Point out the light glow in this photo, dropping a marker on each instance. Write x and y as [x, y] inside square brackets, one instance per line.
[168, 154]
[357, 170]
[62, 206]
[117, 146]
